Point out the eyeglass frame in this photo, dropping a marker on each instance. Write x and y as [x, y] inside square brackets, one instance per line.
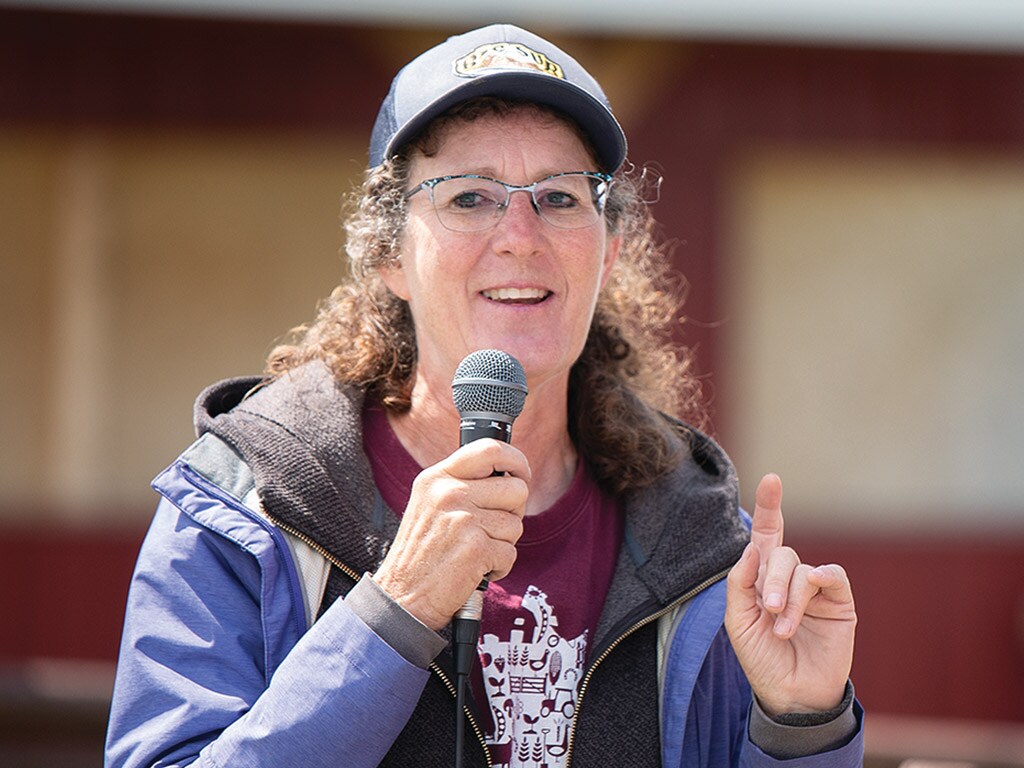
[599, 203]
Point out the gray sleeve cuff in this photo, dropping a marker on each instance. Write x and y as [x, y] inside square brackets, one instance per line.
[410, 637]
[800, 734]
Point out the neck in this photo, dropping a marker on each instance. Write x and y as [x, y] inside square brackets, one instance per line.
[429, 431]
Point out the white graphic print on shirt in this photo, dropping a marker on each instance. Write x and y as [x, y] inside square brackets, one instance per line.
[532, 684]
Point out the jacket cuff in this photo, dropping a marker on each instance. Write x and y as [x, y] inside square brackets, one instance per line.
[800, 734]
[415, 641]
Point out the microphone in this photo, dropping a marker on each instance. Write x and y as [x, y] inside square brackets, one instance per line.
[489, 391]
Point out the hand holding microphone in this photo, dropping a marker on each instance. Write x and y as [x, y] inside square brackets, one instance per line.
[464, 516]
[489, 391]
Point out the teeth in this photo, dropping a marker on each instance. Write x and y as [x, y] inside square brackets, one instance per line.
[515, 294]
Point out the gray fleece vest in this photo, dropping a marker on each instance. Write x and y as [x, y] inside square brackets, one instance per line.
[302, 437]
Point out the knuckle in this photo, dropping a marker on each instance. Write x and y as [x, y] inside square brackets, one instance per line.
[474, 537]
[514, 525]
[503, 557]
[737, 576]
[839, 571]
[790, 554]
[448, 494]
[835, 573]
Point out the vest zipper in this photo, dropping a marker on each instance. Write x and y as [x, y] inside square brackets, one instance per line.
[469, 716]
[318, 548]
[324, 553]
[639, 625]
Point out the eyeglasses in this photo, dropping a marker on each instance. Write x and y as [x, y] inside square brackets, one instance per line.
[470, 203]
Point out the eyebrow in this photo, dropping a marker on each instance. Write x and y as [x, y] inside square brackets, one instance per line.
[492, 174]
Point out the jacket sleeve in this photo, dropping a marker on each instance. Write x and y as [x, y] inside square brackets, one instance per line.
[718, 729]
[707, 705]
[804, 735]
[213, 670]
[848, 754]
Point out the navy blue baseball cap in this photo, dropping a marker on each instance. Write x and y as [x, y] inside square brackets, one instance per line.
[503, 61]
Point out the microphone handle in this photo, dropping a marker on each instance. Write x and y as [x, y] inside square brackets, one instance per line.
[477, 425]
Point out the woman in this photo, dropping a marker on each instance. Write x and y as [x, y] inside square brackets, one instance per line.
[292, 599]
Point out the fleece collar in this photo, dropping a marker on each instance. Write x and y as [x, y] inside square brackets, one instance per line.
[301, 435]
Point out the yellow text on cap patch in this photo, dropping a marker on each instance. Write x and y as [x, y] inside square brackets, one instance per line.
[505, 56]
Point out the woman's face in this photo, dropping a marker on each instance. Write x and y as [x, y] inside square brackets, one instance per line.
[523, 286]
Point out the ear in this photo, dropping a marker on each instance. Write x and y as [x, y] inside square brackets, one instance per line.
[611, 255]
[394, 278]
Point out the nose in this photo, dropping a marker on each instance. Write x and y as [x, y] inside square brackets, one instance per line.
[520, 226]
[520, 203]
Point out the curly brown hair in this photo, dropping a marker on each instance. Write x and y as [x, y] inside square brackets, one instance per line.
[630, 368]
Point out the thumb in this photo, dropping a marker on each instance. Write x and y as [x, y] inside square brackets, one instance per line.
[741, 594]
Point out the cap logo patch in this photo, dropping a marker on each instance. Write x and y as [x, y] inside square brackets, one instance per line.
[504, 57]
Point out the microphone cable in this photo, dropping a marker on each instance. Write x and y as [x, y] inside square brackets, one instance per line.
[465, 634]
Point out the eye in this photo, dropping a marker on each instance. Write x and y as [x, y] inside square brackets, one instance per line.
[557, 198]
[464, 195]
[471, 199]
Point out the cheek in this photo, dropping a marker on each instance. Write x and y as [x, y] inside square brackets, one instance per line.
[403, 277]
[598, 265]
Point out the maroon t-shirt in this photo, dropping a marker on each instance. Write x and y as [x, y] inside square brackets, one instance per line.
[539, 621]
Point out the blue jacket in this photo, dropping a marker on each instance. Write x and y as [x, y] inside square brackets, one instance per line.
[222, 665]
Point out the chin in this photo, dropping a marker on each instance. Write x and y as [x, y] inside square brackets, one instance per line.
[542, 367]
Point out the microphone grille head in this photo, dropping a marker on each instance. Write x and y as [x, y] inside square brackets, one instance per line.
[490, 381]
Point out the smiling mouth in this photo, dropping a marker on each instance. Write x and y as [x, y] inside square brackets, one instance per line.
[516, 295]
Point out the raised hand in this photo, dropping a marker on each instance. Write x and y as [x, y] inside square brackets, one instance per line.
[461, 524]
[791, 624]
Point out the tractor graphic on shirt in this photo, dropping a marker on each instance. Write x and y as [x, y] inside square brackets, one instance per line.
[532, 684]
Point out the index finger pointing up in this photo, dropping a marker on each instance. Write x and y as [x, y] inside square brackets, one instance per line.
[766, 532]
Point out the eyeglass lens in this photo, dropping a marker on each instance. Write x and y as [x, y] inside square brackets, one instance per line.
[568, 201]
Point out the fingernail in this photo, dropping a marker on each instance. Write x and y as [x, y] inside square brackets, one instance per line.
[774, 600]
[783, 627]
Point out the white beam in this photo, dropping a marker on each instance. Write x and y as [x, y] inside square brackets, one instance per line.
[945, 24]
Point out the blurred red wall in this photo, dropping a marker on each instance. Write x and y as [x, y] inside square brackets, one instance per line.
[940, 630]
